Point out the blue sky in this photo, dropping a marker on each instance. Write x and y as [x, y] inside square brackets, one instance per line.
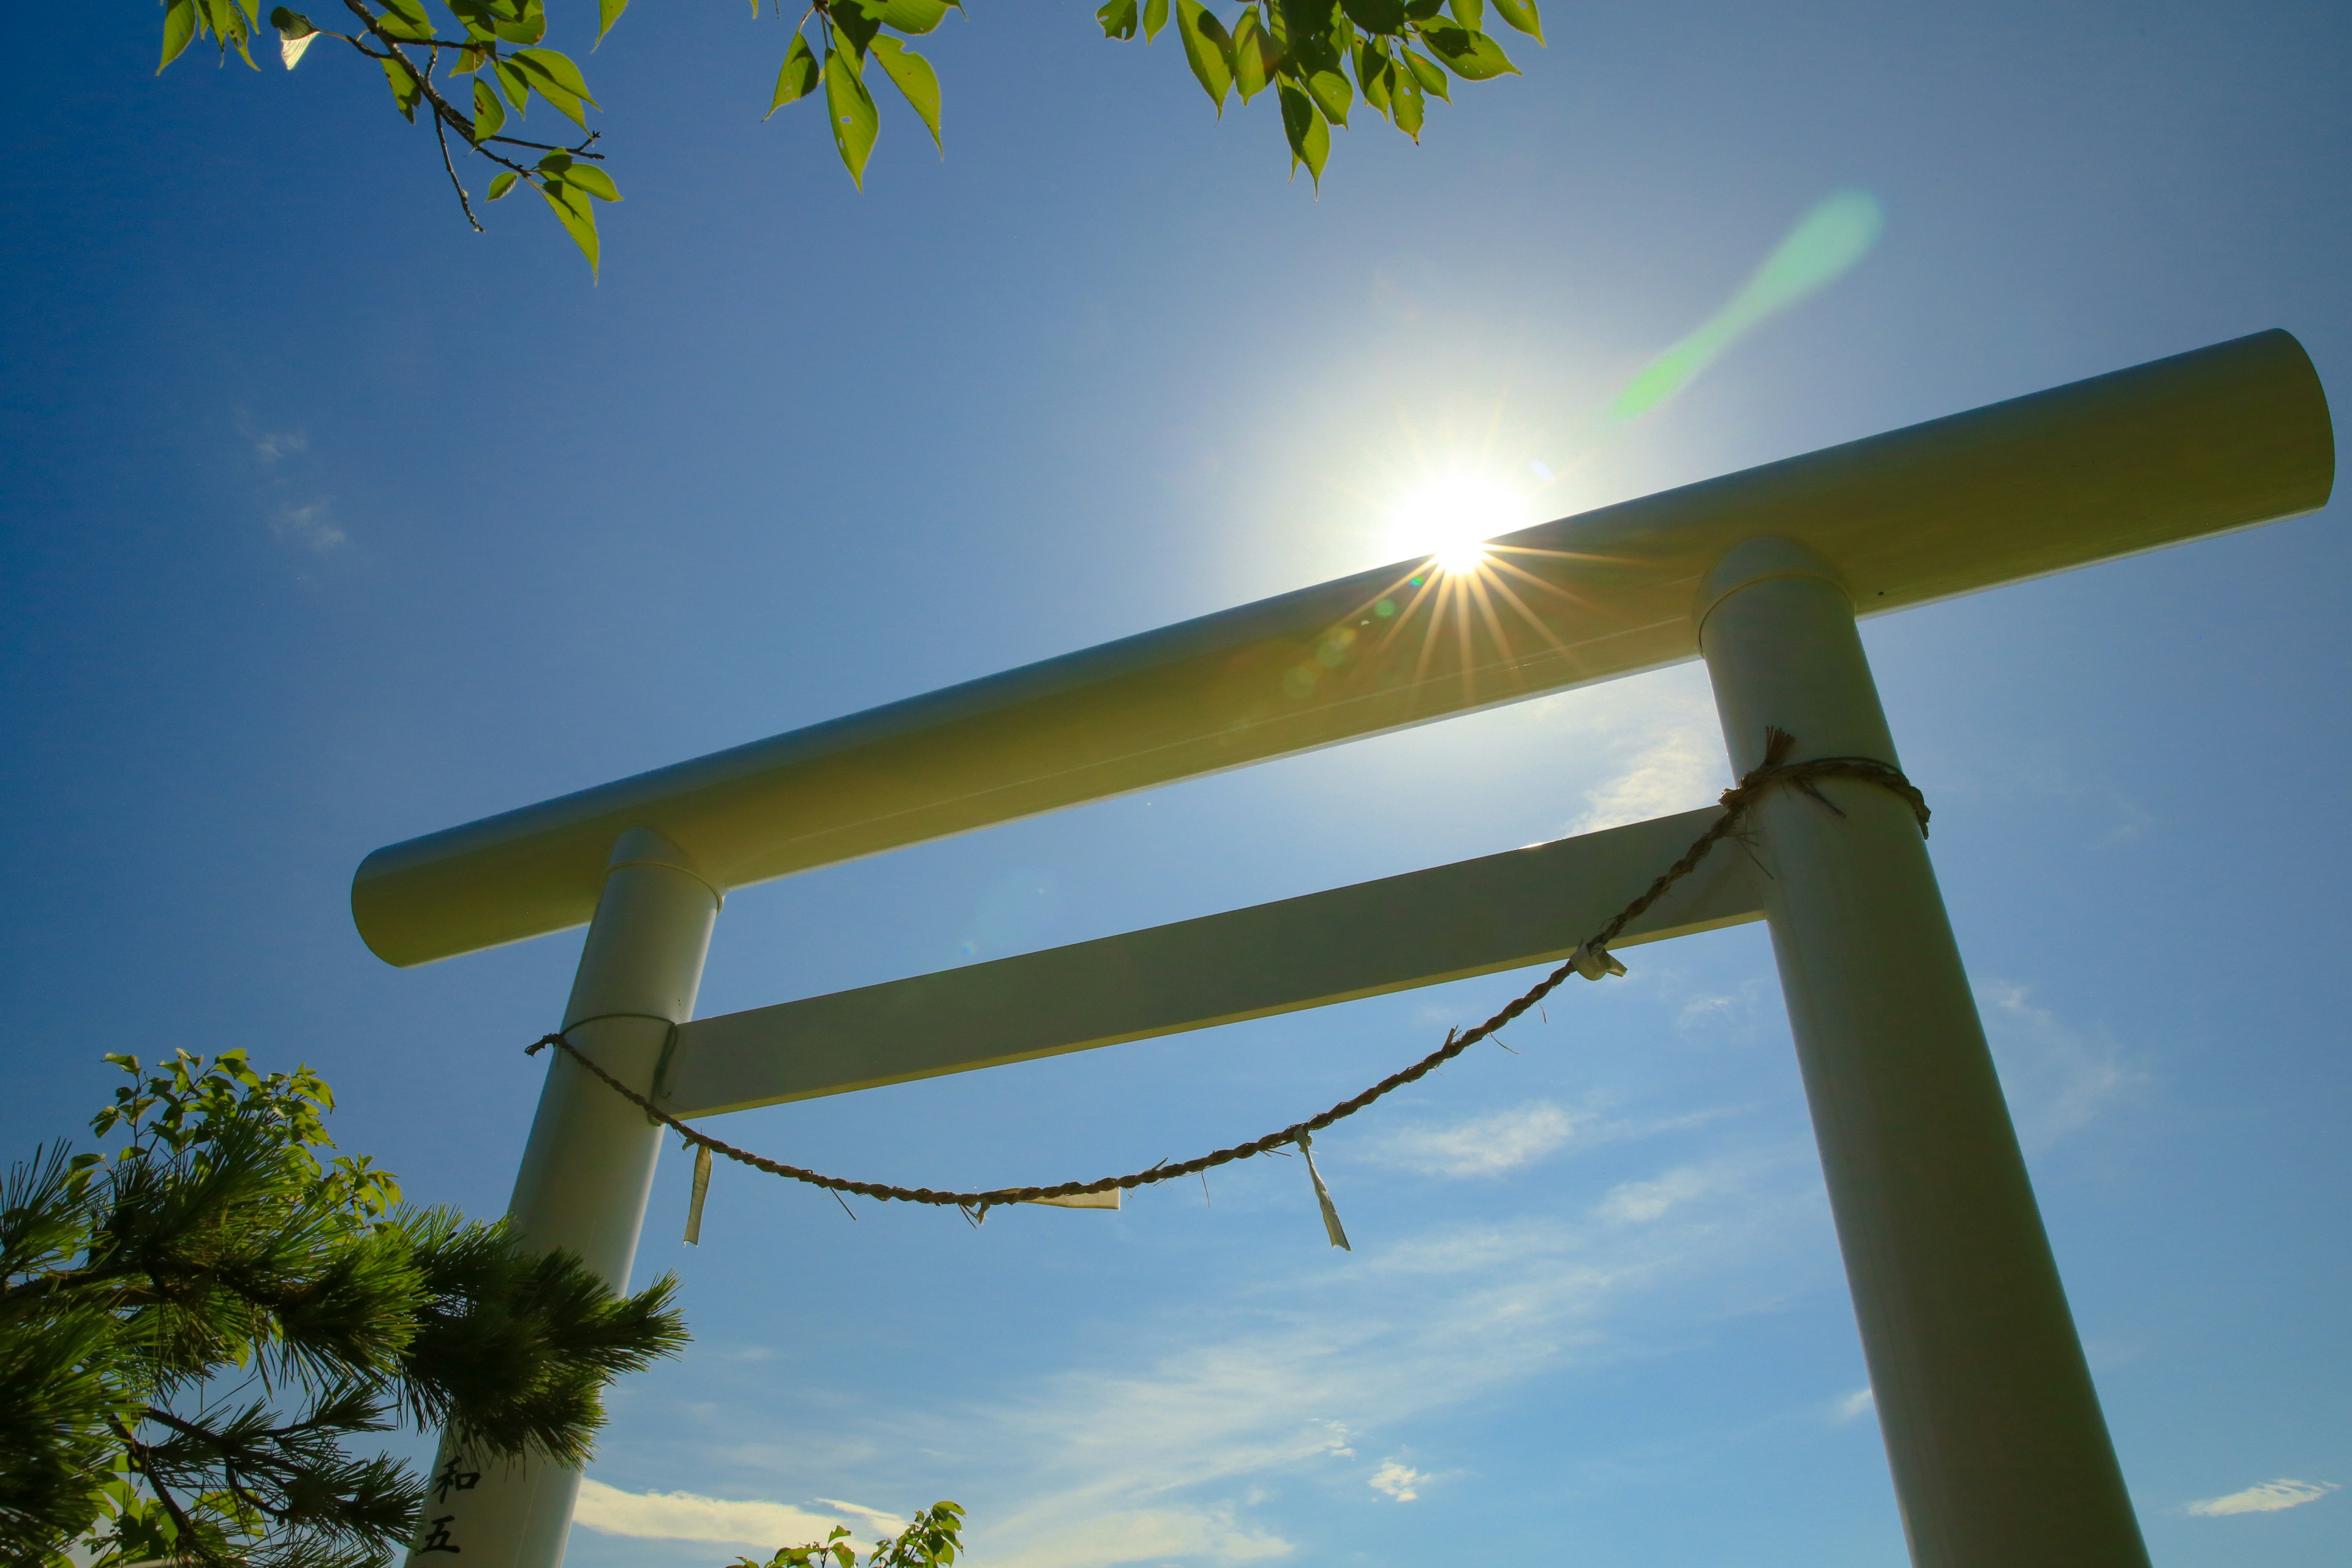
[330, 523]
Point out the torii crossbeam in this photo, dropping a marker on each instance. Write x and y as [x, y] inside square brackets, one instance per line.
[1999, 1454]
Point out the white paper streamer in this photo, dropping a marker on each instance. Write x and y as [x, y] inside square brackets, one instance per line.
[1331, 1227]
[1593, 962]
[701, 1189]
[1109, 1200]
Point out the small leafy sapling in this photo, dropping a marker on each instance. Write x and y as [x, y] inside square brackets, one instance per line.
[931, 1540]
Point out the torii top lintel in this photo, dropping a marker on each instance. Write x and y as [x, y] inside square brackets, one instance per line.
[2221, 438]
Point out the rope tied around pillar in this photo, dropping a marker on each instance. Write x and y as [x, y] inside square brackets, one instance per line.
[1591, 959]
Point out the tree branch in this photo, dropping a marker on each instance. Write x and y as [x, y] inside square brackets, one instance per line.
[441, 134]
[139, 1452]
[444, 113]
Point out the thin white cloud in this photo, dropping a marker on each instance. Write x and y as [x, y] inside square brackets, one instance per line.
[876, 1521]
[1482, 1145]
[1854, 1405]
[1666, 748]
[313, 525]
[270, 445]
[2058, 1078]
[1399, 1479]
[2270, 1497]
[1157, 1456]
[1639, 1202]
[1506, 1140]
[1141, 1535]
[687, 1516]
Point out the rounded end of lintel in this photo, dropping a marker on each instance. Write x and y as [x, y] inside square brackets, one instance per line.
[645, 846]
[370, 929]
[1755, 561]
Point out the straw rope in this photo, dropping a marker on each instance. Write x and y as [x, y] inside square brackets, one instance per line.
[1591, 959]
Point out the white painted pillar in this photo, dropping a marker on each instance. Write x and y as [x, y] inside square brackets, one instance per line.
[2001, 1455]
[586, 1171]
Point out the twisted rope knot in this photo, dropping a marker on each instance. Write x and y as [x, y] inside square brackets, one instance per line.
[1591, 959]
[1776, 769]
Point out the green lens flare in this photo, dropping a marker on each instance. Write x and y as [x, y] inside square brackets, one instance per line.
[1840, 231]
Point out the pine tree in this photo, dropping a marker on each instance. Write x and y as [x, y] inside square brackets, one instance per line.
[195, 1327]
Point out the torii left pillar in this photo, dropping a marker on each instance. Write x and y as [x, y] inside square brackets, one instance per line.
[587, 1172]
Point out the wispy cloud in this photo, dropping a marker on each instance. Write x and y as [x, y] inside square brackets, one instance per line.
[1662, 744]
[1158, 1458]
[1639, 1202]
[1506, 1140]
[313, 526]
[1678, 768]
[688, 1516]
[2057, 1078]
[2270, 1497]
[1743, 1007]
[1141, 1535]
[1853, 1406]
[1482, 1145]
[1399, 1479]
[268, 446]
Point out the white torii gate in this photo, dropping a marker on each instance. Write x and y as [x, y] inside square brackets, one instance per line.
[1999, 1454]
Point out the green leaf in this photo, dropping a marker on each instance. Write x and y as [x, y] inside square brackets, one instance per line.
[557, 70]
[1375, 16]
[1118, 19]
[488, 114]
[1307, 22]
[916, 78]
[1257, 55]
[528, 27]
[1209, 48]
[909, 16]
[853, 20]
[551, 76]
[850, 108]
[1424, 71]
[572, 210]
[405, 20]
[1474, 57]
[1522, 14]
[565, 104]
[223, 20]
[1331, 94]
[1318, 70]
[607, 13]
[179, 30]
[1372, 70]
[516, 85]
[1310, 139]
[1155, 16]
[502, 182]
[1470, 13]
[406, 93]
[474, 16]
[291, 24]
[798, 76]
[593, 180]
[1406, 106]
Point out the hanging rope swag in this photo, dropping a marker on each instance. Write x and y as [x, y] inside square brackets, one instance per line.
[1592, 960]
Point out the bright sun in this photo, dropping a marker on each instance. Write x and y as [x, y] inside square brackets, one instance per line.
[1450, 519]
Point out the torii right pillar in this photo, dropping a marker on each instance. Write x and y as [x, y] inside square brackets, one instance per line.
[2001, 1455]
